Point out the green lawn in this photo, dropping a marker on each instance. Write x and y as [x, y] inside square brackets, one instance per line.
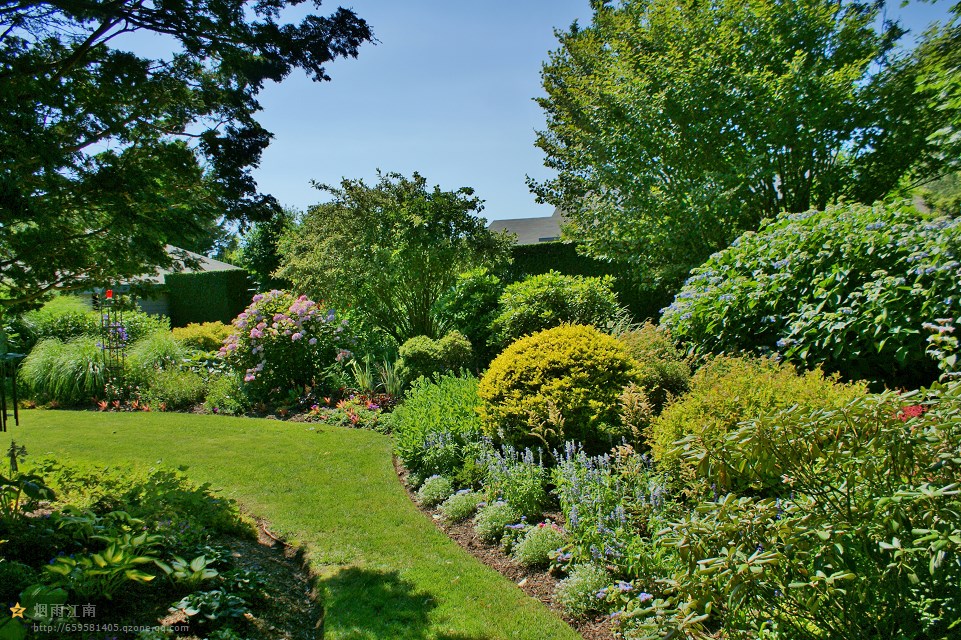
[389, 572]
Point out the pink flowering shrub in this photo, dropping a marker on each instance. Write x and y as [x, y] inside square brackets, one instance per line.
[283, 343]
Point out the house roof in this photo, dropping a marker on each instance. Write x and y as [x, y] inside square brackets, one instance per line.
[203, 264]
[532, 230]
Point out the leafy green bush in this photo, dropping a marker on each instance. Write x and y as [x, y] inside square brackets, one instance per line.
[435, 425]
[14, 578]
[846, 288]
[207, 336]
[516, 478]
[492, 521]
[225, 395]
[536, 548]
[664, 371]
[725, 392]
[284, 344]
[470, 307]
[551, 299]
[460, 506]
[68, 373]
[435, 490]
[862, 541]
[556, 385]
[67, 317]
[423, 356]
[173, 389]
[577, 593]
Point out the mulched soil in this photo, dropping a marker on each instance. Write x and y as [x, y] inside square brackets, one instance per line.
[535, 583]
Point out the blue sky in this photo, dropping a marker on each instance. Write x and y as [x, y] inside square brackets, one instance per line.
[448, 91]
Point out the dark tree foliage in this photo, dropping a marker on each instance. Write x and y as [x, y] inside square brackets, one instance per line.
[259, 252]
[675, 125]
[107, 156]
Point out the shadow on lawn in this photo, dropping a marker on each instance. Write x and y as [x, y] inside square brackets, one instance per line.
[364, 604]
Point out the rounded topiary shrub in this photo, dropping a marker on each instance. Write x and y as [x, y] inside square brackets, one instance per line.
[725, 392]
[424, 356]
[847, 288]
[550, 299]
[557, 385]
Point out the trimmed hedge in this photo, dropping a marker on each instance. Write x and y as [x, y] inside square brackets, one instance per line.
[209, 296]
[535, 259]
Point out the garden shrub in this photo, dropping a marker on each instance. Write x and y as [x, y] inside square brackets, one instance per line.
[435, 490]
[556, 385]
[207, 296]
[577, 593]
[283, 344]
[846, 288]
[863, 540]
[67, 317]
[535, 549]
[423, 356]
[435, 426]
[225, 395]
[517, 478]
[207, 336]
[726, 391]
[68, 373]
[664, 371]
[551, 299]
[470, 307]
[492, 521]
[460, 506]
[173, 389]
[14, 578]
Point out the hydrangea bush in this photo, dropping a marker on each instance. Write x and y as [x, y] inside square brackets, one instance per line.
[282, 342]
[847, 288]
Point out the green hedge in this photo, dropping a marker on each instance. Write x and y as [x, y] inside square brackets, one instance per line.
[535, 259]
[210, 296]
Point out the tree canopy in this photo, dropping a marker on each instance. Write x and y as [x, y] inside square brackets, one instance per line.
[106, 156]
[389, 250]
[675, 125]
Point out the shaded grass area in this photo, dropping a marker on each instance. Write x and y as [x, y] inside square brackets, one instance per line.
[389, 573]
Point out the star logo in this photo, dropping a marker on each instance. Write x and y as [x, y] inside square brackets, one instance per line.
[17, 611]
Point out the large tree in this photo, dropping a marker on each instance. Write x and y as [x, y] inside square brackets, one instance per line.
[674, 125]
[106, 156]
[390, 250]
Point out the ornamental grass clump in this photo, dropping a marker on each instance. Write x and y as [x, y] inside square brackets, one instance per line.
[283, 343]
[539, 544]
[557, 385]
[434, 491]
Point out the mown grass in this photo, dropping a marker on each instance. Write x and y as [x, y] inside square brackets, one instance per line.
[388, 571]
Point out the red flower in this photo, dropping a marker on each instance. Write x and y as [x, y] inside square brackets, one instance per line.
[914, 411]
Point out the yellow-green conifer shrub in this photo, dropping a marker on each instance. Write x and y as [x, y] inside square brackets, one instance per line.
[555, 385]
[727, 390]
[207, 336]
